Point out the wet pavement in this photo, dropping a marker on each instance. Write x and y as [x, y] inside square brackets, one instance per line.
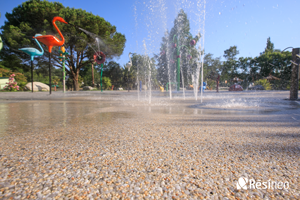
[183, 148]
[21, 111]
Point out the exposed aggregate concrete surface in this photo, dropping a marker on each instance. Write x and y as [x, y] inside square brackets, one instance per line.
[115, 147]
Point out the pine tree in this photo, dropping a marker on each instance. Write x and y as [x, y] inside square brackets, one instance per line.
[167, 59]
[270, 46]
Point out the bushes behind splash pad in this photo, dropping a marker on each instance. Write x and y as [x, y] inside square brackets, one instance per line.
[19, 77]
[265, 83]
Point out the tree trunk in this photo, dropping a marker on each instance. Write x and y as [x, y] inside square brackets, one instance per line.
[75, 81]
[93, 82]
[76, 84]
[294, 76]
[218, 79]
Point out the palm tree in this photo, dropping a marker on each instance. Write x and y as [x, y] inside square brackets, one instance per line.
[55, 81]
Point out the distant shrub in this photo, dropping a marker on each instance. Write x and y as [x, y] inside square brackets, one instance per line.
[106, 83]
[5, 72]
[22, 86]
[264, 82]
[12, 84]
[19, 77]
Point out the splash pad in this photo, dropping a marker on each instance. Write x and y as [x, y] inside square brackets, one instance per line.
[160, 146]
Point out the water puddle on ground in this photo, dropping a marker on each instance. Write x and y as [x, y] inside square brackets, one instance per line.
[34, 115]
[248, 105]
[19, 115]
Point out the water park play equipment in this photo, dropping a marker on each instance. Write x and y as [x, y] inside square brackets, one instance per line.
[204, 86]
[178, 47]
[162, 89]
[99, 58]
[63, 59]
[33, 52]
[52, 41]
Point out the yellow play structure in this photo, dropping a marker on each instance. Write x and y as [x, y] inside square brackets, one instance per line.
[161, 88]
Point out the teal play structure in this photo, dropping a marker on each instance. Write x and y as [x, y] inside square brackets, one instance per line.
[33, 52]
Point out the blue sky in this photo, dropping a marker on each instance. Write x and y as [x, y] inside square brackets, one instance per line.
[246, 24]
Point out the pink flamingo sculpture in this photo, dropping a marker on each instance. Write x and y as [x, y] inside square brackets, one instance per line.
[52, 41]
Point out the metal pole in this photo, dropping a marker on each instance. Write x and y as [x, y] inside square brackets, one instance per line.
[294, 76]
[64, 74]
[32, 75]
[101, 77]
[167, 86]
[50, 72]
[127, 81]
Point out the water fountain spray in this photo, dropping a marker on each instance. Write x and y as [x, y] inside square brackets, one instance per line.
[128, 65]
[148, 60]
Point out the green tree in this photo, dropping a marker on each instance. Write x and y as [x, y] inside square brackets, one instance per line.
[246, 70]
[39, 77]
[115, 72]
[167, 58]
[269, 47]
[229, 68]
[264, 82]
[35, 16]
[86, 74]
[129, 78]
[142, 67]
[106, 83]
[277, 64]
[211, 69]
[56, 80]
[166, 64]
[230, 54]
[212, 66]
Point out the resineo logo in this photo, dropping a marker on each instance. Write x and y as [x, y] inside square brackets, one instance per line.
[244, 183]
